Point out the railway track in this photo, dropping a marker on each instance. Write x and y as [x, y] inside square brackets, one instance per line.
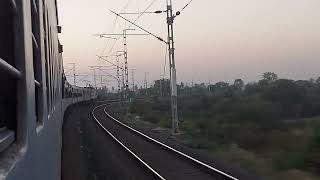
[163, 161]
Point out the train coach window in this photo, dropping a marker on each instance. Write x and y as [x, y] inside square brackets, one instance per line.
[9, 75]
[37, 62]
[46, 55]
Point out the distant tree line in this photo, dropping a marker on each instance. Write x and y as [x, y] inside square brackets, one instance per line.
[269, 99]
[266, 100]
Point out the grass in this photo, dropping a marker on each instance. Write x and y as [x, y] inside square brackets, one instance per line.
[282, 152]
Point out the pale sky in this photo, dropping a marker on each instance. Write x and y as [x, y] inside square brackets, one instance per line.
[216, 40]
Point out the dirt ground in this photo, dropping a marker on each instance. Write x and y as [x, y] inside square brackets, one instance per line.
[89, 154]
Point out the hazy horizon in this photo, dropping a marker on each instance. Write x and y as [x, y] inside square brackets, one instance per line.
[215, 40]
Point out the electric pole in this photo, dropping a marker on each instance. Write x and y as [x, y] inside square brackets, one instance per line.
[87, 82]
[100, 74]
[74, 73]
[125, 49]
[123, 85]
[118, 77]
[146, 82]
[160, 83]
[126, 69]
[94, 78]
[170, 43]
[117, 65]
[173, 78]
[132, 76]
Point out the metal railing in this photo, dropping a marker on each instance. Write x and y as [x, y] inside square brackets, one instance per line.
[37, 83]
[34, 6]
[14, 6]
[10, 69]
[34, 41]
[6, 138]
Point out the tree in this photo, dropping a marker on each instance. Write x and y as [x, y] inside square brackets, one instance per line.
[252, 88]
[270, 77]
[182, 85]
[289, 94]
[238, 84]
[222, 89]
[318, 80]
[311, 80]
[286, 92]
[221, 86]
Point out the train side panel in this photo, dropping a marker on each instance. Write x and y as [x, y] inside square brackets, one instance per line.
[42, 94]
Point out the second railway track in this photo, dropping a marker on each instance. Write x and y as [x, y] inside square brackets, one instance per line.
[163, 161]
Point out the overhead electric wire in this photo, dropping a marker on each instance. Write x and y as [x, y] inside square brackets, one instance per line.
[186, 5]
[126, 6]
[85, 76]
[68, 71]
[141, 14]
[113, 29]
[110, 75]
[114, 25]
[126, 34]
[143, 29]
[138, 17]
[100, 57]
[149, 12]
[145, 11]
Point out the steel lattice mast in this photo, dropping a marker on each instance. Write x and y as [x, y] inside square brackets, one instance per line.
[173, 78]
[125, 49]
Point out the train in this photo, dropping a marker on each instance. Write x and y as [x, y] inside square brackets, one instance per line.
[34, 92]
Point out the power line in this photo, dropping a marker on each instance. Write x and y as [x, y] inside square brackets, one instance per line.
[186, 5]
[148, 12]
[110, 75]
[100, 57]
[84, 77]
[122, 34]
[74, 73]
[68, 70]
[138, 17]
[149, 6]
[143, 29]
[114, 26]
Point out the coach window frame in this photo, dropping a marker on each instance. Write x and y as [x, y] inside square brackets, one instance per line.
[38, 59]
[48, 65]
[18, 69]
[8, 129]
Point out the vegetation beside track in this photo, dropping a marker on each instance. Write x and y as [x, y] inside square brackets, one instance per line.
[271, 127]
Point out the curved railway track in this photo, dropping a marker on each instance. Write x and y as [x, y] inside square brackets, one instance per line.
[163, 161]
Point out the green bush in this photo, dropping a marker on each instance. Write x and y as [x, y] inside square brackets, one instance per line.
[257, 111]
[152, 118]
[285, 160]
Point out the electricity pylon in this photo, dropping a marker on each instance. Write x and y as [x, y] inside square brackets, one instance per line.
[170, 43]
[173, 77]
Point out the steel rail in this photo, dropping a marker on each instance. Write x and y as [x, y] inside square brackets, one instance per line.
[170, 148]
[125, 147]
